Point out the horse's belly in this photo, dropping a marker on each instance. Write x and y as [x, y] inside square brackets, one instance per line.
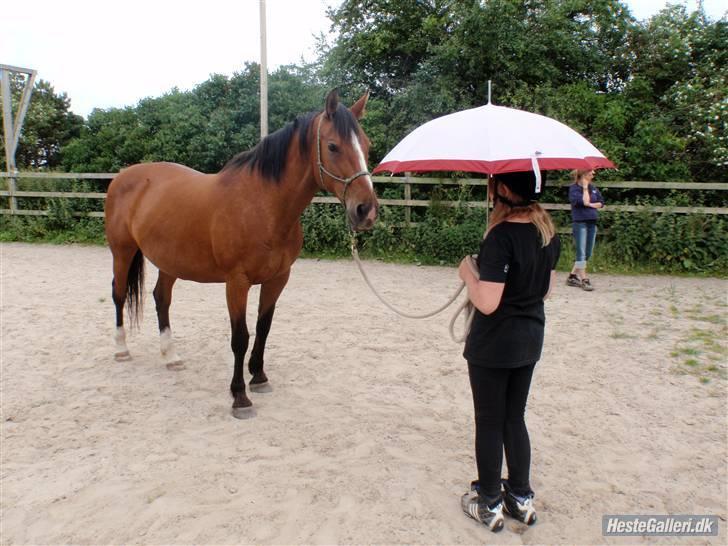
[177, 263]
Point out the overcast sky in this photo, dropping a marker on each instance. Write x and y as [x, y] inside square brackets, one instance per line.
[111, 54]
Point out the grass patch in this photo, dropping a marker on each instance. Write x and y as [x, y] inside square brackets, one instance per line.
[713, 319]
[707, 351]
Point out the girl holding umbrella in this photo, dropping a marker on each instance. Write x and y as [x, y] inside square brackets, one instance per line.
[515, 273]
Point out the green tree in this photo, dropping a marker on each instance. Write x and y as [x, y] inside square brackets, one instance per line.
[48, 125]
[202, 128]
[381, 43]
[111, 139]
[680, 79]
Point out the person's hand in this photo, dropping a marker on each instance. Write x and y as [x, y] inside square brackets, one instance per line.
[464, 270]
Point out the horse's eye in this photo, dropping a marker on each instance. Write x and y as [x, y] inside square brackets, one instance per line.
[333, 147]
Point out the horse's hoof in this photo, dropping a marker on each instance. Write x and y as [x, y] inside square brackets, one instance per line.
[175, 366]
[244, 413]
[261, 387]
[122, 357]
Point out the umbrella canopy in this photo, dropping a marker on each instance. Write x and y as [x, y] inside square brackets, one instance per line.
[492, 139]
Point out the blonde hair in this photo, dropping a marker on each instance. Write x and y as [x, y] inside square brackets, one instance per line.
[576, 174]
[536, 214]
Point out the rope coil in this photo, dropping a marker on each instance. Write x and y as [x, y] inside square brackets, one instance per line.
[465, 306]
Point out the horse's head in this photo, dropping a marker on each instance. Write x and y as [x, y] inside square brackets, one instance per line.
[342, 149]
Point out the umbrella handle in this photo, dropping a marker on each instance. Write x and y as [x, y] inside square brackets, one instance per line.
[536, 171]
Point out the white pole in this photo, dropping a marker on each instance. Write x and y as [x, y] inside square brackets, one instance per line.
[263, 74]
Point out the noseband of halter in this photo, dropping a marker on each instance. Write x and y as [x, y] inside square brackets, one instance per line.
[323, 170]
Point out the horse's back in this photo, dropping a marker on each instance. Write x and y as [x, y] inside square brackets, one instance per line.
[165, 209]
[136, 177]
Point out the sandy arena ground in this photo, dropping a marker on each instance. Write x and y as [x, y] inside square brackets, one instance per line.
[367, 437]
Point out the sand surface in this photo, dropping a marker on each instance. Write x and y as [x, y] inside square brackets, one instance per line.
[367, 437]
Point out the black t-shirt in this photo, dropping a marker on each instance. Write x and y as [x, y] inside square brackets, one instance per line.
[512, 335]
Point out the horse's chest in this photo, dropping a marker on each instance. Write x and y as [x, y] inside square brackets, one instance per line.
[270, 264]
[270, 260]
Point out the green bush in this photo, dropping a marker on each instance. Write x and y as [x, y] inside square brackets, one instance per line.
[670, 242]
[627, 241]
[49, 230]
[644, 241]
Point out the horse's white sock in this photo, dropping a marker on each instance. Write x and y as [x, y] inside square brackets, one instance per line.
[121, 352]
[166, 345]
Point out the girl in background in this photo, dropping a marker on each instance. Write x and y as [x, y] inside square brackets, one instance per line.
[585, 201]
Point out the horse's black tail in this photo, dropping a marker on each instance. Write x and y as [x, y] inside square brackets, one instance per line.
[135, 289]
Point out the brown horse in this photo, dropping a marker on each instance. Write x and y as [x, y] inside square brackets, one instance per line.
[240, 226]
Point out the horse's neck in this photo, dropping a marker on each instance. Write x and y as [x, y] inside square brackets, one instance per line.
[282, 201]
[297, 191]
[297, 187]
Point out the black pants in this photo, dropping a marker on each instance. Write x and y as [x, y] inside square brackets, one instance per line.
[499, 397]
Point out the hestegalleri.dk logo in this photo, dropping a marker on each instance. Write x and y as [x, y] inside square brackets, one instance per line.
[640, 525]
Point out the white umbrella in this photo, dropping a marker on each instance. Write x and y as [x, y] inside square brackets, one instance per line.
[492, 139]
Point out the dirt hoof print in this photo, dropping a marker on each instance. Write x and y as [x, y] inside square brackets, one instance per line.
[244, 413]
[261, 387]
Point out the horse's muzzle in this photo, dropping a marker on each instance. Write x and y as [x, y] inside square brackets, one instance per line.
[363, 215]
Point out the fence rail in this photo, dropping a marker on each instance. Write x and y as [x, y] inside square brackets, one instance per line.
[406, 181]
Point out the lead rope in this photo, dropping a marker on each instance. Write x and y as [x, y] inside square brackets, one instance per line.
[465, 306]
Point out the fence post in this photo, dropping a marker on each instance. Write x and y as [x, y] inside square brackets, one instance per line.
[408, 197]
[12, 186]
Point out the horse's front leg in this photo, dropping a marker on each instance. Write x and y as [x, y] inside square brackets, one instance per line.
[269, 293]
[236, 290]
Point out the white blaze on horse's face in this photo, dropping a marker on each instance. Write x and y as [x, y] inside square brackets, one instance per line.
[361, 204]
[362, 162]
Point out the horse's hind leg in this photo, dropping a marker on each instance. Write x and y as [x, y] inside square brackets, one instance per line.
[269, 293]
[123, 258]
[163, 299]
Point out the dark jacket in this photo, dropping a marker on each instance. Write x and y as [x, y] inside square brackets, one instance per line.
[580, 212]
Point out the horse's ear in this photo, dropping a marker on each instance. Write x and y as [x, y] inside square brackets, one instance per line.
[359, 107]
[332, 103]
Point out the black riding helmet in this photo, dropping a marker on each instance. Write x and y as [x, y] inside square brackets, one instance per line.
[522, 184]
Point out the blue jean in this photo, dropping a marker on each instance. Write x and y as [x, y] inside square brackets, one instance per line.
[585, 235]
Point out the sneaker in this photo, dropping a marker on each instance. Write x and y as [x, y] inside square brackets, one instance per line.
[519, 507]
[586, 285]
[573, 280]
[490, 516]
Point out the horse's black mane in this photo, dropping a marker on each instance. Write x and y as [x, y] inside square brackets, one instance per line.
[269, 155]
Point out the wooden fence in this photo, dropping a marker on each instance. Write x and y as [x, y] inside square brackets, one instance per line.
[12, 193]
